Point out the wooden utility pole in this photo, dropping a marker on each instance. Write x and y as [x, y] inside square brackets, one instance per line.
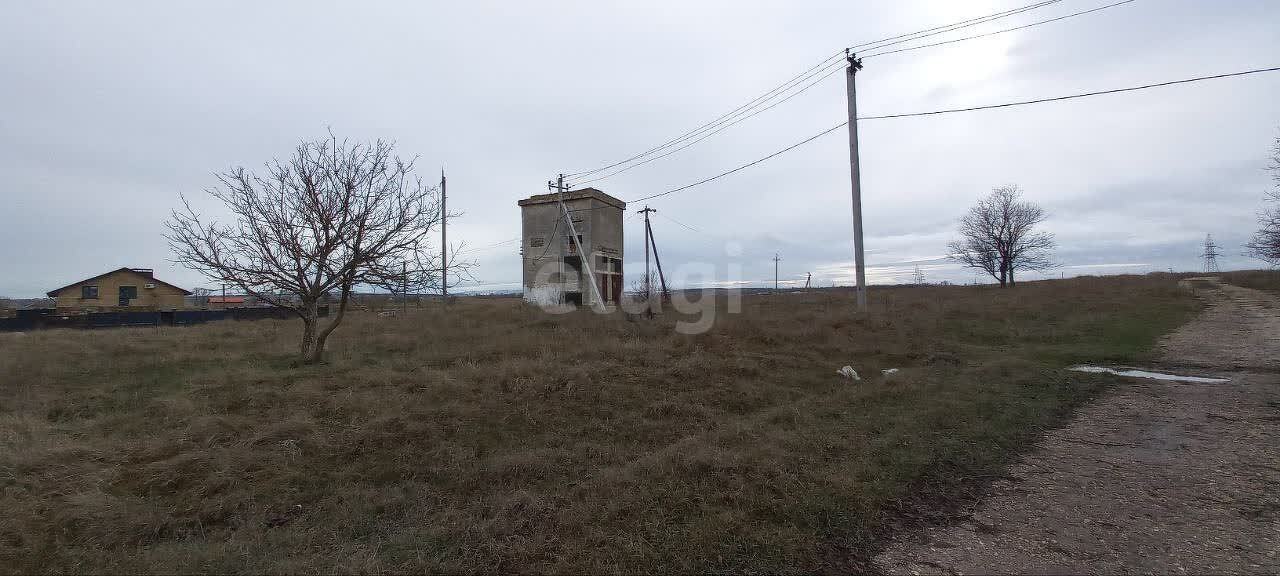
[775, 271]
[808, 279]
[404, 283]
[444, 246]
[584, 259]
[856, 176]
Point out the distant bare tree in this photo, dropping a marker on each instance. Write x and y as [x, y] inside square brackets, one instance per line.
[998, 236]
[334, 217]
[200, 297]
[1265, 244]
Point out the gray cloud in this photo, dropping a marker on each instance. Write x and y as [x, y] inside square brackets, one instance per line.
[113, 110]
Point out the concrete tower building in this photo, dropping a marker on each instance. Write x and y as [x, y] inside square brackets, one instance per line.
[553, 268]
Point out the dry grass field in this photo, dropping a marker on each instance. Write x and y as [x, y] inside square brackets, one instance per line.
[1268, 280]
[494, 437]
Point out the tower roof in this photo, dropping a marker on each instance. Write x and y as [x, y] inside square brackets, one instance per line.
[575, 195]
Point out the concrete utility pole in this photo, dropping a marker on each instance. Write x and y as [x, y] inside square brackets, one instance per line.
[444, 247]
[584, 259]
[648, 279]
[775, 271]
[653, 243]
[855, 175]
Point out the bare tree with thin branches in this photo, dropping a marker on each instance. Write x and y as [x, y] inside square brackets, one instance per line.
[998, 236]
[335, 217]
[1265, 244]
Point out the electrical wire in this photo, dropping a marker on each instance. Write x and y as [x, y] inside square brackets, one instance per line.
[1071, 96]
[691, 228]
[953, 27]
[486, 248]
[733, 115]
[1081, 13]
[954, 110]
[720, 119]
[745, 166]
[551, 238]
[839, 66]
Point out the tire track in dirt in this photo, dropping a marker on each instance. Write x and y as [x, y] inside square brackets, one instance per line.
[1155, 477]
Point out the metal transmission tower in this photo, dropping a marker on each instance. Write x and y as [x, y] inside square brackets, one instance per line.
[1210, 255]
[917, 277]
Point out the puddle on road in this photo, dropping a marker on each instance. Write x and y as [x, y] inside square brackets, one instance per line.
[1150, 375]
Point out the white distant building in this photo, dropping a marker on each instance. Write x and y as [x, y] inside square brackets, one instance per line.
[553, 268]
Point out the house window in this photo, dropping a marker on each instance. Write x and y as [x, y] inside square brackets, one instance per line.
[569, 244]
[611, 265]
[89, 292]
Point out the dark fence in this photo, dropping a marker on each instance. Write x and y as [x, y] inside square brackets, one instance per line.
[36, 319]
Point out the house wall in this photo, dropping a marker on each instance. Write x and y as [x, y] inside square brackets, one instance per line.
[606, 246]
[542, 244]
[606, 235]
[162, 297]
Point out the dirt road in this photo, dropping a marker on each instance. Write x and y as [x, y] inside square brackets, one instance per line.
[1157, 477]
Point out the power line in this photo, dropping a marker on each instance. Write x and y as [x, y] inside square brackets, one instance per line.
[691, 228]
[1081, 13]
[748, 165]
[694, 132]
[495, 245]
[949, 111]
[809, 74]
[952, 26]
[956, 26]
[838, 67]
[1071, 96]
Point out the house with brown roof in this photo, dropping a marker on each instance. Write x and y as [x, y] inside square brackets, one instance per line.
[123, 289]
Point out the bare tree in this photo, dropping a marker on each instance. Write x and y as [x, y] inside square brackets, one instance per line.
[1265, 244]
[998, 236]
[336, 216]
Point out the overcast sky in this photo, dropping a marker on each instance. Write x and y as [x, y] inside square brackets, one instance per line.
[110, 110]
